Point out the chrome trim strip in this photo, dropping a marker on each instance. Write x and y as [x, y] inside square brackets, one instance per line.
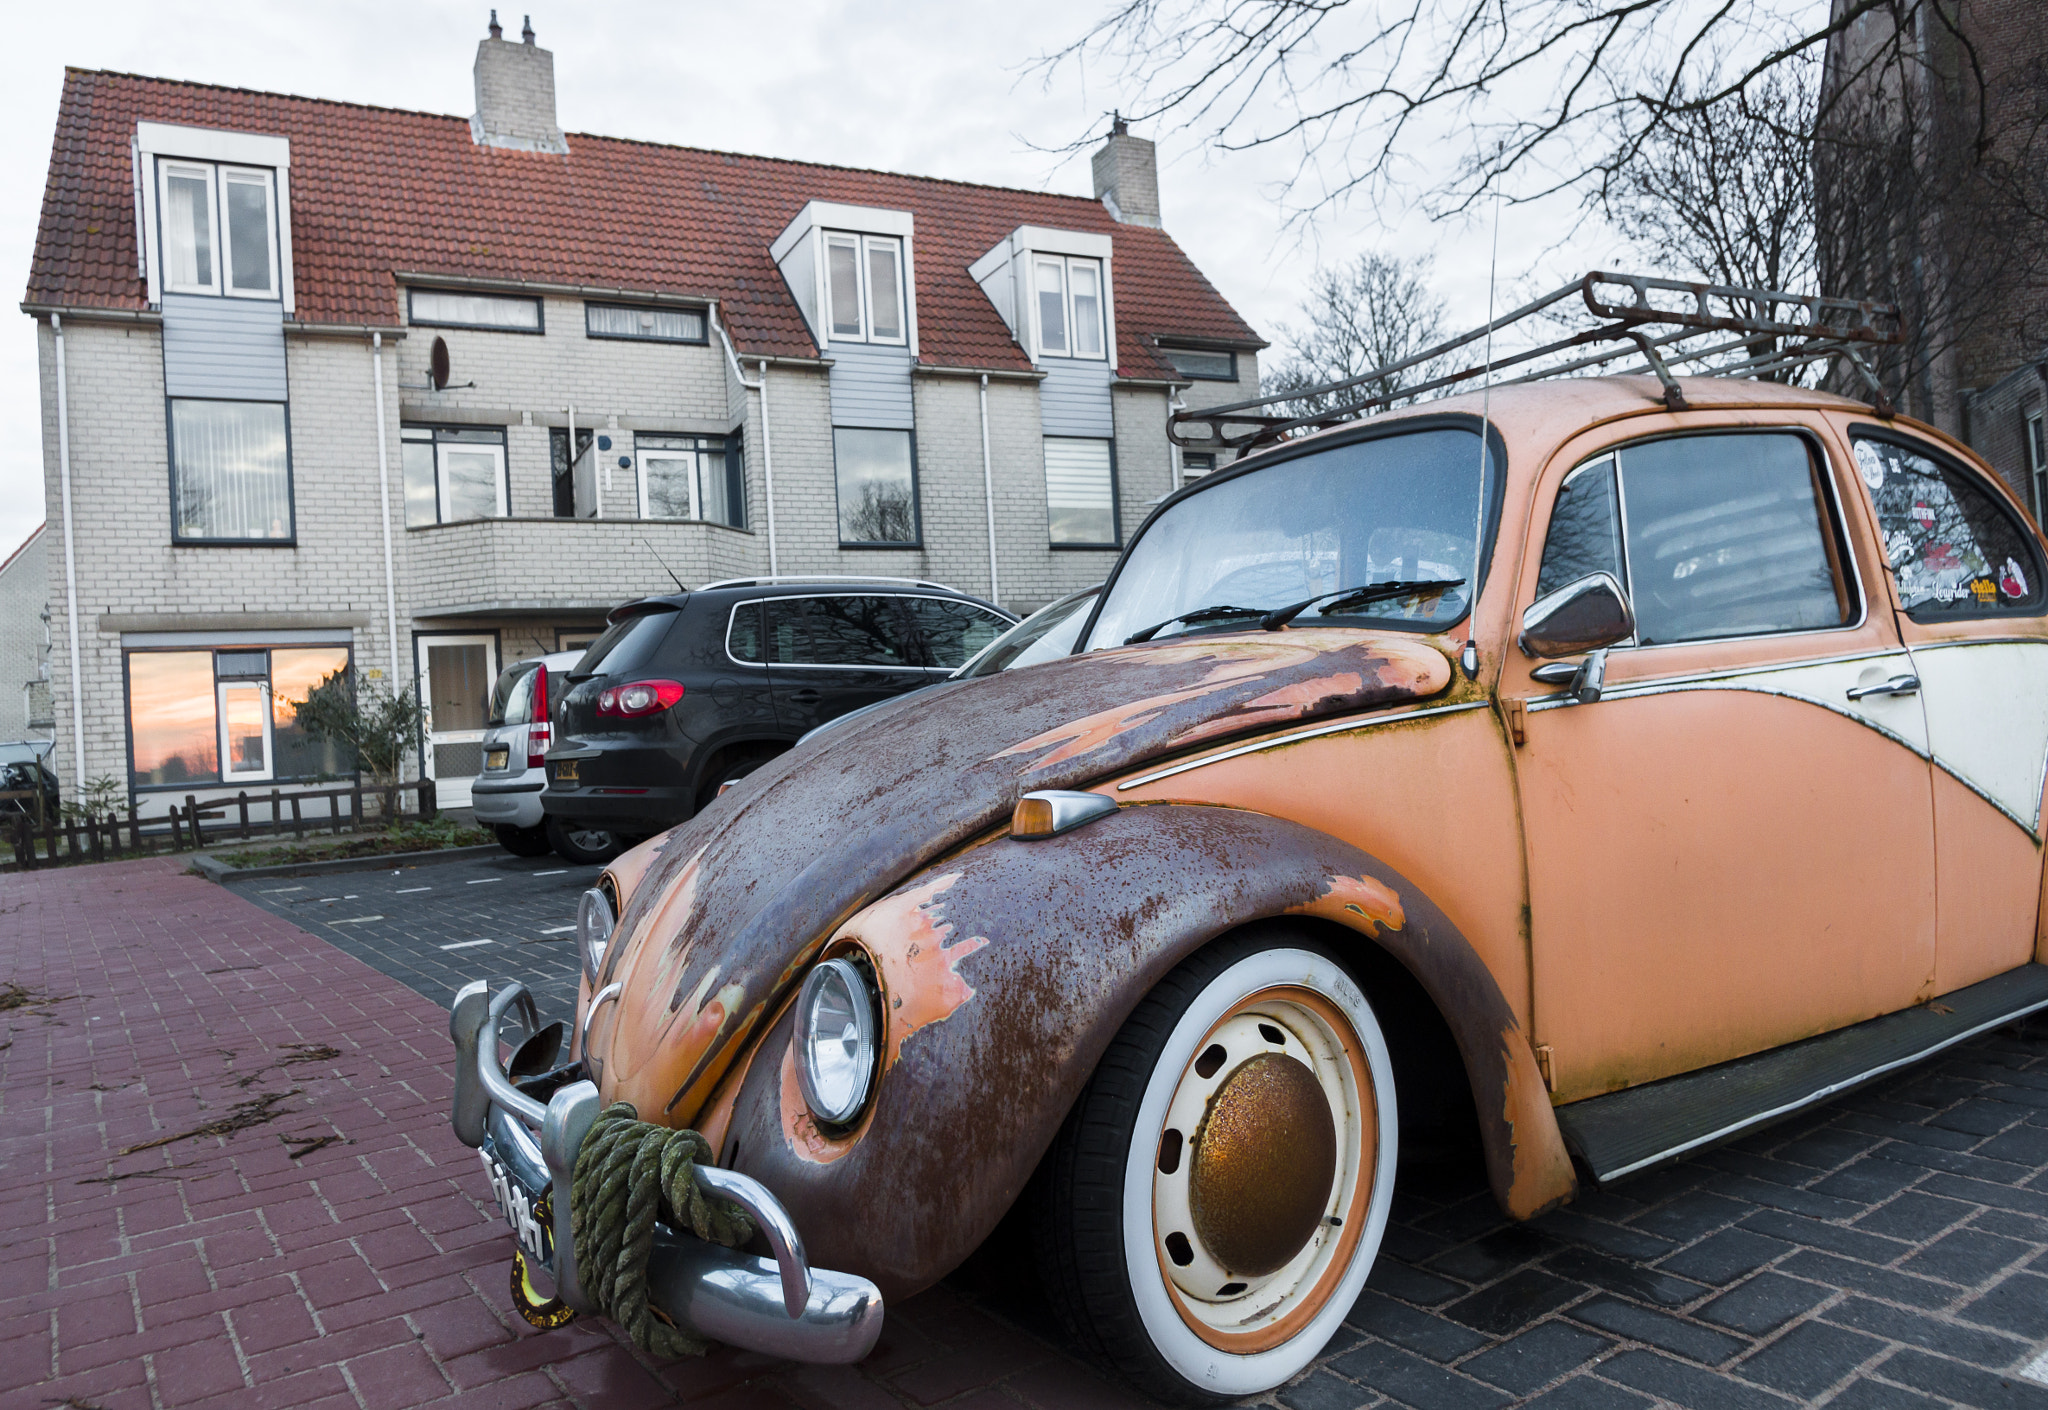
[1822, 1095]
[1341, 727]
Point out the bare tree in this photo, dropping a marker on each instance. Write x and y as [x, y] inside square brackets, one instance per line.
[1540, 96]
[1370, 313]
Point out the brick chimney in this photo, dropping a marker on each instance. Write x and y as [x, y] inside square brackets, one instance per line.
[1127, 176]
[515, 94]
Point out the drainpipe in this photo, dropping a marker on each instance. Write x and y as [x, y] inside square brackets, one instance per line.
[1174, 469]
[384, 485]
[70, 562]
[988, 483]
[767, 442]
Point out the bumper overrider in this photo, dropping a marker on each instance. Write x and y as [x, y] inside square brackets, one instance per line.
[529, 1138]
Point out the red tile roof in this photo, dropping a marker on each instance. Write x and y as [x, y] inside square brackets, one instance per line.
[377, 190]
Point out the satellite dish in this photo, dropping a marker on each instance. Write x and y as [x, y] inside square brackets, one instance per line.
[437, 364]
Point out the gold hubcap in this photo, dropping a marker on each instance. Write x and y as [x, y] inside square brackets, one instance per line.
[1264, 1160]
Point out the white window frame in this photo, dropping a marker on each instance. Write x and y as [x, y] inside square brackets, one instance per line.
[799, 253]
[156, 142]
[865, 247]
[222, 176]
[1067, 265]
[261, 686]
[441, 451]
[166, 169]
[218, 176]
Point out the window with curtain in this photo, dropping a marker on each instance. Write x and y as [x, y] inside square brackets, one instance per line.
[198, 201]
[864, 287]
[1080, 491]
[230, 472]
[660, 325]
[447, 308]
[1070, 306]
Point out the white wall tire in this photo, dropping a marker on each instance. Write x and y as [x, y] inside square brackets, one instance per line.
[1139, 1274]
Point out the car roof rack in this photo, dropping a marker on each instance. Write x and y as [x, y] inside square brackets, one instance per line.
[1657, 323]
[764, 579]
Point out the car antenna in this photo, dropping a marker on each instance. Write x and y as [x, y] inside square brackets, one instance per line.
[1469, 657]
[664, 566]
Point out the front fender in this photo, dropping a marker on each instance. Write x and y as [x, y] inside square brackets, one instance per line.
[1006, 970]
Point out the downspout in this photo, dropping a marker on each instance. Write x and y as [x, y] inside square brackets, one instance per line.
[988, 483]
[384, 485]
[1173, 461]
[70, 562]
[767, 441]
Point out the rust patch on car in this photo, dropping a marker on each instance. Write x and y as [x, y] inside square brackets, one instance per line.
[907, 935]
[1354, 899]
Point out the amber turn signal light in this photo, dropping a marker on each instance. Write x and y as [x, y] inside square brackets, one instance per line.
[1052, 811]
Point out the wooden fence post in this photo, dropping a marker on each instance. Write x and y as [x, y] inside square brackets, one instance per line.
[356, 809]
[192, 816]
[242, 802]
[134, 830]
[276, 813]
[430, 807]
[298, 819]
[92, 838]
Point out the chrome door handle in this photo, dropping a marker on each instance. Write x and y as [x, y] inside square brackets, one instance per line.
[1897, 685]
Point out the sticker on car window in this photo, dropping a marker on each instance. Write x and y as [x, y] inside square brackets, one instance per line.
[1951, 546]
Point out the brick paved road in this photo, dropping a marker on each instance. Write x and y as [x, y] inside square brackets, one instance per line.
[1890, 1250]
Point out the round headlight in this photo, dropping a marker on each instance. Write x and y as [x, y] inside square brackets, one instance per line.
[594, 921]
[835, 1041]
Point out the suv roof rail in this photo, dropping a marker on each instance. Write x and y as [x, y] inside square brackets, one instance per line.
[764, 579]
[1775, 332]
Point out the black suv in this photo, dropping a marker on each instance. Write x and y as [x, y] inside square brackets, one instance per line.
[682, 693]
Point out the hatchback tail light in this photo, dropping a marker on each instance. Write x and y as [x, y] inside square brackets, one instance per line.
[639, 698]
[538, 738]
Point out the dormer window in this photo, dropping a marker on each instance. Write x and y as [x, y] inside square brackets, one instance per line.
[201, 201]
[1069, 306]
[864, 280]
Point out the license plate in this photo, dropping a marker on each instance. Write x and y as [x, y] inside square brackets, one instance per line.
[523, 1211]
[496, 758]
[565, 772]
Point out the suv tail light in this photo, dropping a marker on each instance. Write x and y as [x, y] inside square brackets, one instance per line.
[639, 698]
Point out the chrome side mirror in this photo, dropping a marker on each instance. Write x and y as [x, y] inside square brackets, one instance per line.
[1585, 615]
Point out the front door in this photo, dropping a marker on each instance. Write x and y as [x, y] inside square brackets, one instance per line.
[456, 675]
[1732, 848]
[1971, 601]
[835, 652]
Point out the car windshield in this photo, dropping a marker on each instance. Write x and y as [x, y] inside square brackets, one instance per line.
[1046, 633]
[1396, 507]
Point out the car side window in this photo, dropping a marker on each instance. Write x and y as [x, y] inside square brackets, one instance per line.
[1585, 529]
[1954, 550]
[743, 633]
[1718, 536]
[841, 630]
[519, 705]
[952, 630]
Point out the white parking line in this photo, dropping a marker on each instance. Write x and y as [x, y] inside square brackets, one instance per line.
[408, 890]
[468, 944]
[354, 920]
[564, 871]
[280, 890]
[559, 930]
[486, 880]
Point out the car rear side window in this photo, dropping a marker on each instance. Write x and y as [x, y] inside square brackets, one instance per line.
[514, 706]
[1954, 550]
[953, 630]
[626, 644]
[743, 633]
[851, 629]
[1718, 536]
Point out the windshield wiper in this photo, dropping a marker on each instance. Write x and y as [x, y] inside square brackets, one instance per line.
[1200, 614]
[1359, 597]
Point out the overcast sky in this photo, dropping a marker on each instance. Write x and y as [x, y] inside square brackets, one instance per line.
[934, 87]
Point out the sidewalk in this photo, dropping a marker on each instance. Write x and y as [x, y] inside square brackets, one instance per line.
[326, 1241]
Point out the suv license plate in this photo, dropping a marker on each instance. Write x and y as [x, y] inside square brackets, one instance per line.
[565, 772]
[522, 1210]
[496, 758]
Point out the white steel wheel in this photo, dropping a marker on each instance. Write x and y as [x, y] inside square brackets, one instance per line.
[1213, 1205]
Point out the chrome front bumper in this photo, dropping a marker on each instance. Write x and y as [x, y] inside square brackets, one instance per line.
[781, 1306]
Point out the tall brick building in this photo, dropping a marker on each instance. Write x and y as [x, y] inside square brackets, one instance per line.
[328, 387]
[1933, 178]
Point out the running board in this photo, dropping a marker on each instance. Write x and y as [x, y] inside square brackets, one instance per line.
[1630, 1131]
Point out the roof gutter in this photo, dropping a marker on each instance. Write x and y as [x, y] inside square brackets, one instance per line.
[92, 315]
[767, 440]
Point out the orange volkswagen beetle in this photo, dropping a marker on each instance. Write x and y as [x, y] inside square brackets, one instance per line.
[1602, 766]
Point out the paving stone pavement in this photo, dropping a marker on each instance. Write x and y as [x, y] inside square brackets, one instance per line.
[1890, 1249]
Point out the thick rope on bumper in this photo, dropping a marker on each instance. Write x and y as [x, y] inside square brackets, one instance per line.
[628, 1174]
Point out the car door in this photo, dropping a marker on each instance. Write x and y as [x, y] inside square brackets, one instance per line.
[1732, 847]
[1968, 574]
[834, 652]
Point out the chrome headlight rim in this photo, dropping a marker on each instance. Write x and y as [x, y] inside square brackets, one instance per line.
[594, 924]
[839, 977]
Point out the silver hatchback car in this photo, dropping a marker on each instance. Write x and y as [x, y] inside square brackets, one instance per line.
[506, 795]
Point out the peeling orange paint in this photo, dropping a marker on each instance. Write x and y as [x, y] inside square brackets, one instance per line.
[800, 1128]
[1352, 899]
[906, 936]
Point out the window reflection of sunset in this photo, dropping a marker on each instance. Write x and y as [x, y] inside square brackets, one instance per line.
[294, 674]
[172, 704]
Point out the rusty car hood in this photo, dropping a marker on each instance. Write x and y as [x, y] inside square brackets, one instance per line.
[738, 901]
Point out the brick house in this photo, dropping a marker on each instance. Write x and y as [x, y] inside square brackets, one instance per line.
[333, 388]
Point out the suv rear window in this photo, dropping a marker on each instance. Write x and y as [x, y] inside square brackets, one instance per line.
[849, 629]
[626, 644]
[953, 630]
